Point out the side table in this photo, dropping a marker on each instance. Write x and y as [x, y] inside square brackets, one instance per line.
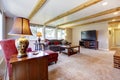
[32, 67]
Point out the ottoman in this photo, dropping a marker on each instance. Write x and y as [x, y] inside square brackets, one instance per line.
[52, 56]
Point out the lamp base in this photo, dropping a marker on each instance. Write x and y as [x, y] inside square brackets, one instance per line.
[22, 45]
[21, 55]
[39, 39]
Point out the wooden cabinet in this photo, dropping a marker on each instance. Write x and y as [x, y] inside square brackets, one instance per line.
[32, 67]
[117, 59]
[89, 44]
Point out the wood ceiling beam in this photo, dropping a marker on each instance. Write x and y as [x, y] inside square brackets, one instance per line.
[37, 25]
[106, 19]
[39, 4]
[92, 16]
[115, 22]
[80, 7]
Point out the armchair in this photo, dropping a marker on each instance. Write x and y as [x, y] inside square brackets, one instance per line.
[8, 48]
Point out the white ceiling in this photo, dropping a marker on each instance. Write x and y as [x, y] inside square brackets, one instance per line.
[53, 8]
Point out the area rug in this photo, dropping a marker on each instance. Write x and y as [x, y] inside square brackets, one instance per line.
[89, 64]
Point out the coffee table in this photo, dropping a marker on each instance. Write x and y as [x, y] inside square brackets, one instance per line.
[70, 49]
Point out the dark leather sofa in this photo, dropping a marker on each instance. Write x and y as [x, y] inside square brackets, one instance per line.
[55, 44]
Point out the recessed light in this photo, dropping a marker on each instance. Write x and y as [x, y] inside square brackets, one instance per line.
[113, 20]
[115, 13]
[109, 28]
[105, 3]
[118, 27]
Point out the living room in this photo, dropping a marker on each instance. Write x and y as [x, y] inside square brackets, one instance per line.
[88, 64]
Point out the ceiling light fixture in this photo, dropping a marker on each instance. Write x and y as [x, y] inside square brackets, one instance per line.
[113, 20]
[105, 3]
[109, 28]
[118, 26]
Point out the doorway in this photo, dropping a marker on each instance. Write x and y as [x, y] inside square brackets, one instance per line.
[114, 35]
[117, 37]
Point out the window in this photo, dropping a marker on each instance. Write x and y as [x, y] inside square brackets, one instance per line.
[1, 29]
[34, 30]
[50, 33]
[60, 34]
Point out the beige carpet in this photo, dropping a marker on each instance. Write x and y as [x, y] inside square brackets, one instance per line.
[87, 65]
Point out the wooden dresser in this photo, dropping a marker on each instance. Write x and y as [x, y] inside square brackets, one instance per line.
[32, 67]
[117, 59]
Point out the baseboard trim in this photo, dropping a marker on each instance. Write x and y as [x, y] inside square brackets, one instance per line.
[103, 49]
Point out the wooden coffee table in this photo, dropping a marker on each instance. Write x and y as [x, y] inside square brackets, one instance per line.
[69, 50]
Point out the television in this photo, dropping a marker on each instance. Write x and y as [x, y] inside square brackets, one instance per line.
[90, 35]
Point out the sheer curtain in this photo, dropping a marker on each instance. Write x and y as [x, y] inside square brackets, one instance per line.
[47, 32]
[3, 66]
[61, 34]
[50, 33]
[35, 28]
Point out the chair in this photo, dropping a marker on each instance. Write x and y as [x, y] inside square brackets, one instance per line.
[8, 48]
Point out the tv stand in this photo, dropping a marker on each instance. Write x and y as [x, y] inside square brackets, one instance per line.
[89, 44]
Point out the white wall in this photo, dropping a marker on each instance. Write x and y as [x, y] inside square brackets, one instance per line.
[102, 29]
[68, 36]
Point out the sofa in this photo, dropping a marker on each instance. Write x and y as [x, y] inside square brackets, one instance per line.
[55, 44]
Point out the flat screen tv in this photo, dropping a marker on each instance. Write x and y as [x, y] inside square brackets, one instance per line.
[89, 35]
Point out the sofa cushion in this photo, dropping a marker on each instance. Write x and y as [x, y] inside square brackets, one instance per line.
[48, 42]
[56, 42]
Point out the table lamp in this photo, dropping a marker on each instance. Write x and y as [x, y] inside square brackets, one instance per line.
[39, 34]
[21, 27]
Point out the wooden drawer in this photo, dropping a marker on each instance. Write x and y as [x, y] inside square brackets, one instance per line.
[117, 59]
[117, 65]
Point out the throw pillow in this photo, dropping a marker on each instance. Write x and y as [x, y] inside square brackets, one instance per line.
[64, 42]
[48, 42]
[56, 43]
